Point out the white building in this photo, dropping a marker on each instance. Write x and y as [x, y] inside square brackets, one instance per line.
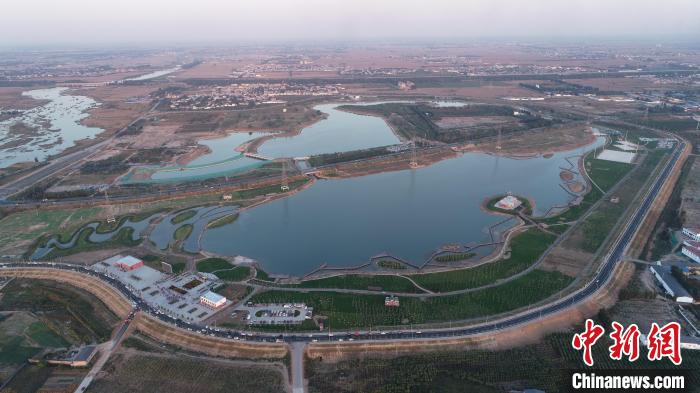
[693, 233]
[672, 287]
[508, 202]
[691, 249]
[212, 299]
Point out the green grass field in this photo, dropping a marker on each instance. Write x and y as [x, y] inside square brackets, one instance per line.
[355, 281]
[526, 248]
[183, 216]
[223, 269]
[462, 256]
[356, 311]
[238, 273]
[212, 264]
[605, 173]
[225, 220]
[123, 238]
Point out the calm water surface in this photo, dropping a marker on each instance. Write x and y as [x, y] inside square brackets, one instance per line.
[57, 125]
[408, 213]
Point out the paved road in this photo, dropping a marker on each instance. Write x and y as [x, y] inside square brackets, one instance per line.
[297, 351]
[106, 350]
[60, 163]
[603, 275]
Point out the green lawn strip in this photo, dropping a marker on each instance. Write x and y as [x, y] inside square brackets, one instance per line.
[182, 233]
[238, 273]
[605, 173]
[390, 264]
[223, 269]
[262, 275]
[356, 311]
[123, 238]
[526, 249]
[599, 223]
[222, 221]
[179, 267]
[358, 281]
[183, 216]
[574, 212]
[461, 256]
[271, 189]
[209, 265]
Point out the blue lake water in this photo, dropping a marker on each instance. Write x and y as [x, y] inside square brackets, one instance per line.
[57, 126]
[408, 213]
[339, 132]
[222, 159]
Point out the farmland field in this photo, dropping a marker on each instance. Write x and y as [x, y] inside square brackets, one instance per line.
[540, 366]
[354, 311]
[139, 372]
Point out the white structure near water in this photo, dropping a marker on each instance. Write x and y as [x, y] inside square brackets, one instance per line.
[508, 202]
[616, 156]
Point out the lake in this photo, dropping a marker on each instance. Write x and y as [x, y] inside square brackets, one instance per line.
[56, 127]
[408, 213]
[339, 132]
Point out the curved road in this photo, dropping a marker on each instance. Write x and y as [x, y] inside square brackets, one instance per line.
[602, 277]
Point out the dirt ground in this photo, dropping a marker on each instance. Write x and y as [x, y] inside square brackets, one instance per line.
[149, 372]
[567, 261]
[12, 98]
[120, 105]
[537, 141]
[690, 196]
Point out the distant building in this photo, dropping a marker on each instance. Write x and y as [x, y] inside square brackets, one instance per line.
[669, 283]
[227, 197]
[212, 299]
[391, 301]
[508, 202]
[693, 233]
[128, 263]
[691, 249]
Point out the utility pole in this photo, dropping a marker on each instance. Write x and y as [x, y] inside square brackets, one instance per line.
[498, 141]
[414, 159]
[110, 217]
[285, 181]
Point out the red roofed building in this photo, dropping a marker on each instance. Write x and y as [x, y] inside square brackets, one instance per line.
[128, 263]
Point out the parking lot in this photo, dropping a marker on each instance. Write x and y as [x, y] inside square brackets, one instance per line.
[177, 295]
[277, 314]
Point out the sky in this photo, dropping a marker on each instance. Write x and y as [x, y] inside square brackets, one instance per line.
[44, 22]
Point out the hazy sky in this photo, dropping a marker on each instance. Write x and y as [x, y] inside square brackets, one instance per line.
[125, 21]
